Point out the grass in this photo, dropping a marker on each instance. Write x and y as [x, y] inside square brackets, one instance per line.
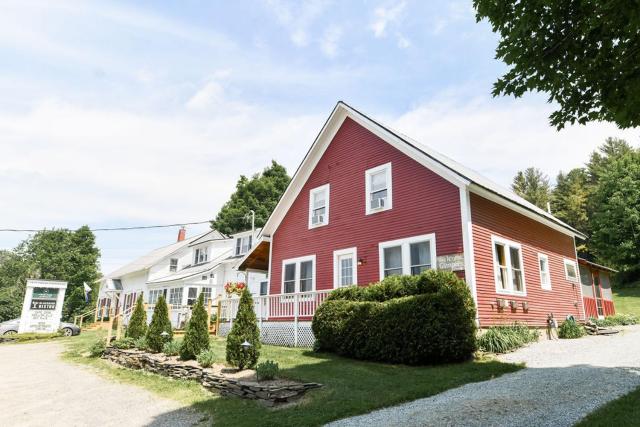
[627, 300]
[350, 387]
[624, 411]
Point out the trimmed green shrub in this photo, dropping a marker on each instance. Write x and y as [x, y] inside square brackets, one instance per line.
[124, 343]
[267, 370]
[206, 358]
[245, 328]
[616, 320]
[570, 329]
[138, 323]
[196, 337]
[159, 323]
[429, 318]
[505, 338]
[141, 343]
[171, 348]
[97, 348]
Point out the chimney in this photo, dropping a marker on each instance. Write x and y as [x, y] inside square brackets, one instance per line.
[182, 233]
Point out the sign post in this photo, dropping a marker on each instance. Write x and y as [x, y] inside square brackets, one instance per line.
[42, 306]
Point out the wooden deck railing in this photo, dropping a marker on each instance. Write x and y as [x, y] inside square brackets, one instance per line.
[282, 306]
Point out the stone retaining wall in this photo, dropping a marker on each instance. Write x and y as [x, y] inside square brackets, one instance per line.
[159, 364]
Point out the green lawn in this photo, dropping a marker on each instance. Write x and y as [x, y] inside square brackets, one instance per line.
[627, 300]
[350, 387]
[621, 412]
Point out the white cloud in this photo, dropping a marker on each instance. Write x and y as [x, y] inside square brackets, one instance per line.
[297, 18]
[330, 39]
[403, 42]
[210, 94]
[384, 16]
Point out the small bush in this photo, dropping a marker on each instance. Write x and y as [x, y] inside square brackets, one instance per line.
[616, 320]
[159, 323]
[196, 337]
[138, 323]
[97, 348]
[124, 343]
[570, 329]
[171, 348]
[206, 358]
[502, 339]
[267, 370]
[245, 328]
[141, 343]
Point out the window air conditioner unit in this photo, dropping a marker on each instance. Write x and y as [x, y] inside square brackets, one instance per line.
[378, 203]
[317, 219]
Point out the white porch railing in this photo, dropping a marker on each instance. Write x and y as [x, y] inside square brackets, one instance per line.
[281, 306]
[178, 314]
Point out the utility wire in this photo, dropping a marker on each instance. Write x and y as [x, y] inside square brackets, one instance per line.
[140, 227]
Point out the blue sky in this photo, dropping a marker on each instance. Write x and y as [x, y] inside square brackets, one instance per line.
[123, 113]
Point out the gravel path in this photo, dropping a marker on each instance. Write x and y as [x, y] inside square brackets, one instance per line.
[564, 380]
[38, 389]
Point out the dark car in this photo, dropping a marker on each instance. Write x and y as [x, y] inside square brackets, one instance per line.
[11, 327]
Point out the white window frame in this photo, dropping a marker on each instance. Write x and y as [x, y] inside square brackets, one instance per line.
[171, 269]
[545, 286]
[326, 189]
[337, 255]
[368, 173]
[406, 254]
[177, 289]
[196, 255]
[153, 295]
[566, 271]
[239, 250]
[297, 262]
[508, 243]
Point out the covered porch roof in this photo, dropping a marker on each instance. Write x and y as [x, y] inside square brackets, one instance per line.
[257, 259]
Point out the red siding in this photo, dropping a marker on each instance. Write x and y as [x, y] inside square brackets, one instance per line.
[423, 203]
[490, 219]
[590, 308]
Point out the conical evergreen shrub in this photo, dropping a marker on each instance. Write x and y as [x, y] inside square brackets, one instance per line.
[159, 323]
[196, 337]
[138, 323]
[245, 328]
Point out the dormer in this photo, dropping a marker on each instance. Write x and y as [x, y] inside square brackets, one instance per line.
[243, 242]
[200, 254]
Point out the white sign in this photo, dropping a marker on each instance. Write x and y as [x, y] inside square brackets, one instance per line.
[42, 306]
[454, 262]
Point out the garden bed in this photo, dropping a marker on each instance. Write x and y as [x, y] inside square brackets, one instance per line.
[227, 381]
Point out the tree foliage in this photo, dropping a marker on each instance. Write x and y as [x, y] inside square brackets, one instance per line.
[137, 327]
[196, 337]
[245, 328]
[160, 323]
[261, 193]
[583, 53]
[569, 201]
[532, 185]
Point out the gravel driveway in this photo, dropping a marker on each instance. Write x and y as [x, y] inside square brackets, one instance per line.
[564, 381]
[38, 389]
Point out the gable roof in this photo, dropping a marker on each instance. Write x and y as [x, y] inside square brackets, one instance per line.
[442, 165]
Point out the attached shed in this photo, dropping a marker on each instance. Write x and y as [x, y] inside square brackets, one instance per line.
[596, 289]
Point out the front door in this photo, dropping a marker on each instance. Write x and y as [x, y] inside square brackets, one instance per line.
[598, 293]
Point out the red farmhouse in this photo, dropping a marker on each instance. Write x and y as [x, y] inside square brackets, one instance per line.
[368, 202]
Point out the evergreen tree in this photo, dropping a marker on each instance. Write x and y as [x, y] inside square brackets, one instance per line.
[570, 197]
[196, 337]
[245, 328]
[532, 185]
[138, 323]
[159, 323]
[261, 193]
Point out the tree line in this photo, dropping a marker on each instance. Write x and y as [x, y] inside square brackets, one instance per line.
[600, 199]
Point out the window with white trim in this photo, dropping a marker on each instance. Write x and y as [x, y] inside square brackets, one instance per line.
[200, 256]
[319, 206]
[206, 294]
[545, 275]
[299, 274]
[243, 244]
[378, 189]
[508, 266]
[570, 270]
[175, 296]
[173, 264]
[154, 294]
[345, 269]
[412, 255]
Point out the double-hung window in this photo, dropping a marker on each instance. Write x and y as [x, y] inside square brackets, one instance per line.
[243, 244]
[154, 294]
[345, 271]
[173, 264]
[378, 189]
[200, 256]
[319, 206]
[412, 255]
[175, 296]
[545, 276]
[206, 294]
[508, 270]
[299, 274]
[570, 270]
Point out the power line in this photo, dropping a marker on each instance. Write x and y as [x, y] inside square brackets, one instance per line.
[140, 227]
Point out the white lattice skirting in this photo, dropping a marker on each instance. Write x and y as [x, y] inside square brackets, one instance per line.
[281, 333]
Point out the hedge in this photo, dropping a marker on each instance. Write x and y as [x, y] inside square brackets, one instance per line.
[414, 320]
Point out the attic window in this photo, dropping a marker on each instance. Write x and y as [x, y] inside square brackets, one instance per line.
[200, 256]
[243, 244]
[173, 264]
[319, 206]
[378, 189]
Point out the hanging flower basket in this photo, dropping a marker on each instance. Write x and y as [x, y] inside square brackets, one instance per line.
[234, 288]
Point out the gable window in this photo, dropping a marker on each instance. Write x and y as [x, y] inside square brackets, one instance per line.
[243, 244]
[508, 270]
[319, 206]
[298, 274]
[200, 256]
[545, 276]
[173, 264]
[378, 189]
[175, 296]
[412, 255]
[570, 270]
[345, 270]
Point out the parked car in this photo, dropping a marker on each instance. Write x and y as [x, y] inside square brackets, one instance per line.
[11, 327]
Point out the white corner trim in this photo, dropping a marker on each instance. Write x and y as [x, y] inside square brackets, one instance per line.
[584, 311]
[406, 255]
[336, 267]
[323, 188]
[467, 245]
[508, 243]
